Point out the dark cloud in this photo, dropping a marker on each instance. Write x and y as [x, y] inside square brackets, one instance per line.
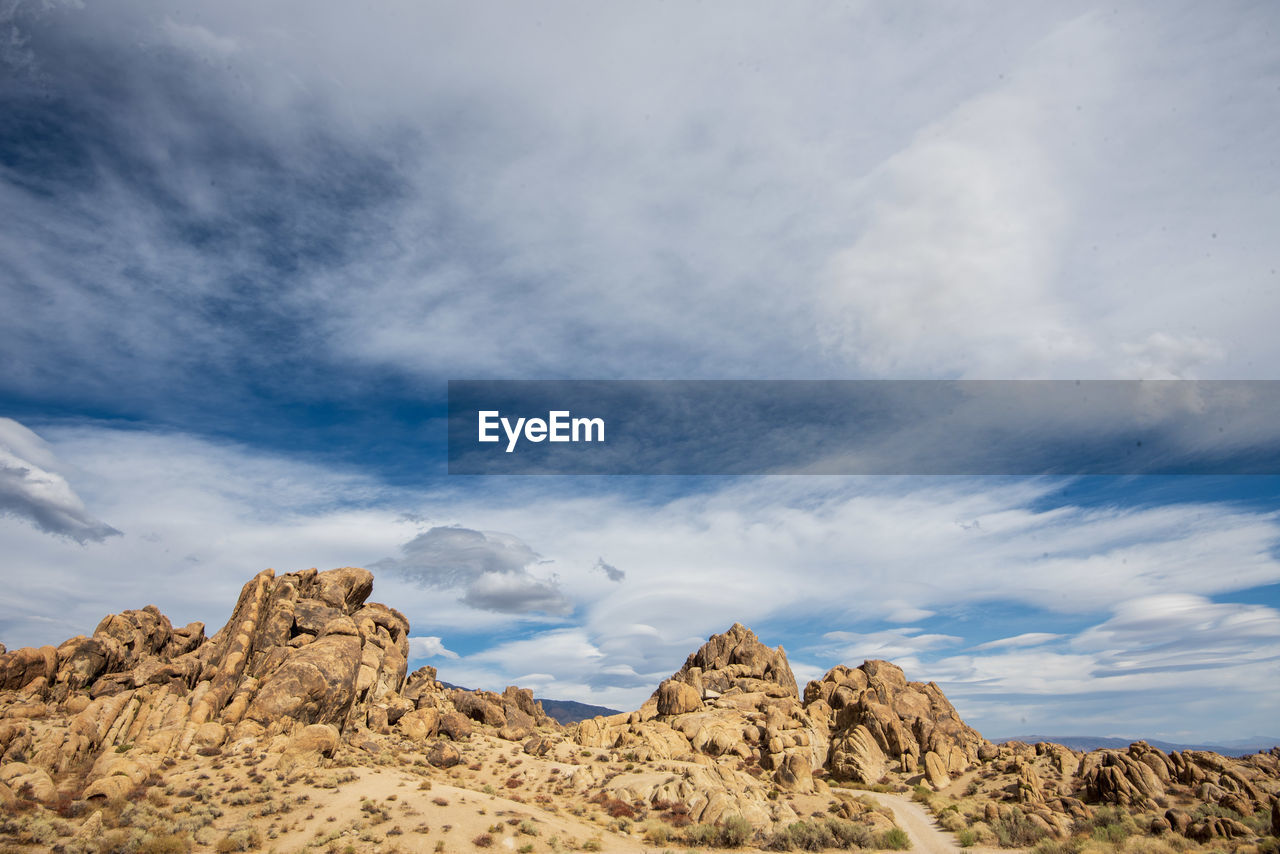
[491, 568]
[611, 571]
[29, 490]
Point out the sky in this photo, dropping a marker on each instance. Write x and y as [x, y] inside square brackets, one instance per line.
[245, 246]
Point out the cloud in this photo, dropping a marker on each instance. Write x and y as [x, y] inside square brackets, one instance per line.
[1182, 633]
[429, 646]
[31, 490]
[794, 558]
[889, 645]
[611, 572]
[490, 567]
[1023, 640]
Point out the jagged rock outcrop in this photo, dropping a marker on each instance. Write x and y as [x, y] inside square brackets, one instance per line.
[738, 660]
[303, 654]
[910, 722]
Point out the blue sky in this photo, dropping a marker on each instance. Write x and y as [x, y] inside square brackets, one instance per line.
[246, 245]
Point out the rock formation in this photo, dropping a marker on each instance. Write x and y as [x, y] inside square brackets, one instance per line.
[302, 653]
[307, 671]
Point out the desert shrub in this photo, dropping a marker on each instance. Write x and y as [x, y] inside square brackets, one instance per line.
[657, 833]
[735, 831]
[701, 834]
[169, 843]
[848, 834]
[952, 821]
[593, 844]
[894, 840]
[1147, 845]
[484, 840]
[923, 794]
[967, 838]
[1053, 846]
[1109, 824]
[115, 842]
[801, 835]
[1017, 831]
[240, 839]
[678, 815]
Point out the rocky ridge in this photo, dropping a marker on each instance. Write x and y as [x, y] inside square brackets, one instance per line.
[307, 673]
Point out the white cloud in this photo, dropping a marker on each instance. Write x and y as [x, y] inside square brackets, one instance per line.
[429, 646]
[1018, 641]
[890, 645]
[1181, 633]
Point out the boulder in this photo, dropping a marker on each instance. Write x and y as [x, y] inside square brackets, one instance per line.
[856, 757]
[316, 738]
[420, 724]
[455, 726]
[935, 771]
[677, 698]
[315, 684]
[443, 755]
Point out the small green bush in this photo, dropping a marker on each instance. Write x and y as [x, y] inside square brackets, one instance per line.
[735, 832]
[1017, 831]
[894, 840]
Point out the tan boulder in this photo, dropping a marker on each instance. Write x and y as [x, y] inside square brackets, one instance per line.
[856, 757]
[455, 725]
[795, 774]
[345, 588]
[443, 755]
[111, 788]
[209, 734]
[315, 684]
[1029, 786]
[677, 698]
[935, 771]
[316, 738]
[420, 724]
[28, 781]
[22, 666]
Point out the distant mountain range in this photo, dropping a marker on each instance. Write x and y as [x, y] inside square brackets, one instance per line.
[1235, 747]
[561, 711]
[571, 711]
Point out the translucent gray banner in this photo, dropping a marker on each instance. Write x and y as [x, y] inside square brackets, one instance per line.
[962, 427]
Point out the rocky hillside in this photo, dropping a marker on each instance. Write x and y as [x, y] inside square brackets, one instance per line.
[146, 732]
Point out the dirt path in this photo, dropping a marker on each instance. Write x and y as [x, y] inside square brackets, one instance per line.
[918, 822]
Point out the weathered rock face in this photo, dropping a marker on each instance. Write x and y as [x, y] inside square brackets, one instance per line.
[907, 721]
